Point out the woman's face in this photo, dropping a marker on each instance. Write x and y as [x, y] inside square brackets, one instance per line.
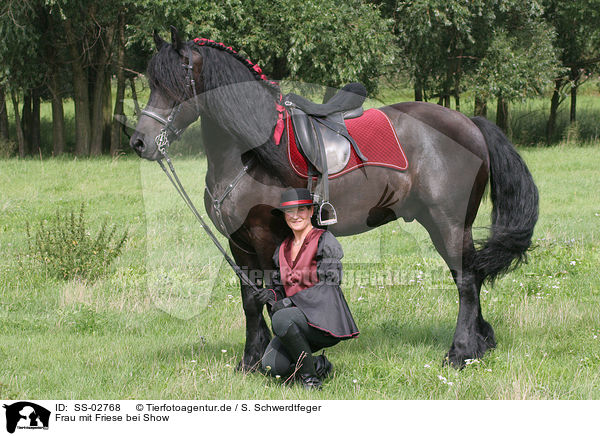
[298, 218]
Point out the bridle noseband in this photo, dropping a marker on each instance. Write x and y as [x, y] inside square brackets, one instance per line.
[162, 139]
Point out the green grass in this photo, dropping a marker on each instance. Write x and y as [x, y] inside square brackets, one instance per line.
[167, 320]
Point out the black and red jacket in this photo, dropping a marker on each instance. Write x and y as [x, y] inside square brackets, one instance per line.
[312, 282]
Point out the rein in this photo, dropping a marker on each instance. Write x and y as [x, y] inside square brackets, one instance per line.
[162, 143]
[181, 191]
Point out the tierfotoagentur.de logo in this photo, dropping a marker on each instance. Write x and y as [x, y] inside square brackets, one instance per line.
[26, 415]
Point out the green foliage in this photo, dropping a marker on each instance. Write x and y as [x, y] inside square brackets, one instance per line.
[516, 66]
[67, 250]
[20, 63]
[8, 148]
[315, 41]
[578, 33]
[326, 42]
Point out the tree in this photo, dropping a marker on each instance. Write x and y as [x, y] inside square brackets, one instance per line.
[20, 63]
[499, 49]
[316, 41]
[326, 42]
[518, 62]
[578, 38]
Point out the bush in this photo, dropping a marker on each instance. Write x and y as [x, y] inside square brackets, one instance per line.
[67, 249]
[8, 148]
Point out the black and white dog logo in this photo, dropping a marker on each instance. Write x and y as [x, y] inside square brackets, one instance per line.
[26, 415]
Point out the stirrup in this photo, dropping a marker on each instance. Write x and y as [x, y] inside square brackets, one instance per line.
[320, 214]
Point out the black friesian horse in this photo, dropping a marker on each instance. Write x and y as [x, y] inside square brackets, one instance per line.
[451, 158]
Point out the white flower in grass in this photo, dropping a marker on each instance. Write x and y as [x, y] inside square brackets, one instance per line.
[427, 365]
[227, 365]
[360, 298]
[595, 336]
[277, 376]
[354, 381]
[449, 383]
[573, 262]
[223, 351]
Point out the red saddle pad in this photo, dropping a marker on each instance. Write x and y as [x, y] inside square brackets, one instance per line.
[375, 137]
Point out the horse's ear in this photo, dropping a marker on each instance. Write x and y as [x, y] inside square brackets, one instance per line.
[158, 40]
[175, 39]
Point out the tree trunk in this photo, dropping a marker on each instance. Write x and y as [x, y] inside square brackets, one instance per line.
[97, 118]
[418, 90]
[102, 60]
[575, 75]
[480, 107]
[18, 126]
[573, 112]
[115, 134]
[457, 101]
[134, 96]
[36, 130]
[58, 119]
[502, 114]
[3, 115]
[26, 120]
[80, 94]
[107, 111]
[554, 103]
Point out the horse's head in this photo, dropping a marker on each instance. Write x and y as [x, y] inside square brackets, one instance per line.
[174, 73]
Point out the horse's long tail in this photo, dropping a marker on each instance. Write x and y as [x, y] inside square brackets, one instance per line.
[515, 206]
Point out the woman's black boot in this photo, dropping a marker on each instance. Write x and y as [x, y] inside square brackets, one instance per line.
[299, 349]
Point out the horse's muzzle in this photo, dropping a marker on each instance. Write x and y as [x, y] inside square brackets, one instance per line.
[137, 143]
[139, 146]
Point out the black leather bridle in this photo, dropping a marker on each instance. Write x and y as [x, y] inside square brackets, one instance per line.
[162, 139]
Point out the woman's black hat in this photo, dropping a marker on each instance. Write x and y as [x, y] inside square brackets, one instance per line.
[294, 197]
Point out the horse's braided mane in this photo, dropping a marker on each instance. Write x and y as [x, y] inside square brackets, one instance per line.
[252, 67]
[261, 115]
[250, 117]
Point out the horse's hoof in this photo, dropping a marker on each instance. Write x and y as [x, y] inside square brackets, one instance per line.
[454, 360]
[459, 354]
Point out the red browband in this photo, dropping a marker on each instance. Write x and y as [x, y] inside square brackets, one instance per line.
[296, 202]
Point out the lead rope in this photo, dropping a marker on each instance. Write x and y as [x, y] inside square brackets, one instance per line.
[181, 191]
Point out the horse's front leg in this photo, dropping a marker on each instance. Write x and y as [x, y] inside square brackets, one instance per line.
[258, 334]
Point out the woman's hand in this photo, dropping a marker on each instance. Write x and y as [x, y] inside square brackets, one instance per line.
[264, 295]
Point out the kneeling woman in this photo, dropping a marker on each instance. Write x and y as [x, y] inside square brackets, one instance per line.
[308, 310]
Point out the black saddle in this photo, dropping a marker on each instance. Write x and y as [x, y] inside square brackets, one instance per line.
[323, 139]
[348, 100]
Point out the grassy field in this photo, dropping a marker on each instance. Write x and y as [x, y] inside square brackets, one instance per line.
[166, 320]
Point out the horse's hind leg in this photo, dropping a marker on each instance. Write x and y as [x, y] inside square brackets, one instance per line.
[473, 335]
